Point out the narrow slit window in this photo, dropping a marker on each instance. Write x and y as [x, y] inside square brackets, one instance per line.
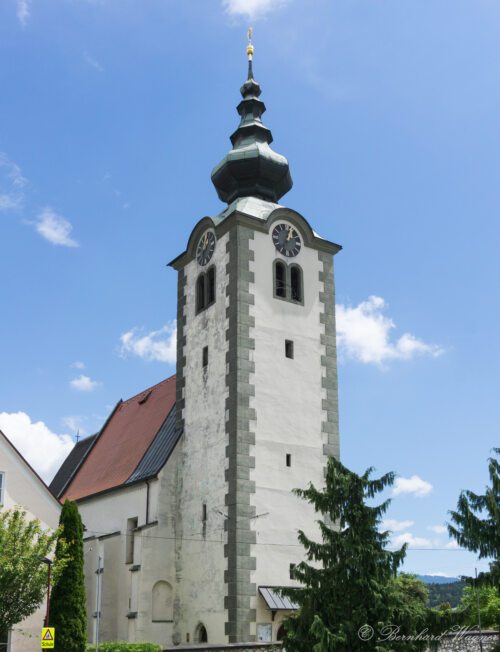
[280, 280]
[211, 286]
[296, 283]
[291, 570]
[289, 459]
[205, 357]
[204, 513]
[129, 553]
[289, 349]
[200, 293]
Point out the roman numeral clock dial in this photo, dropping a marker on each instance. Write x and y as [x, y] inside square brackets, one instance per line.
[205, 248]
[286, 240]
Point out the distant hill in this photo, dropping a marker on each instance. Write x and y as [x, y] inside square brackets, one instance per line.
[437, 579]
[443, 589]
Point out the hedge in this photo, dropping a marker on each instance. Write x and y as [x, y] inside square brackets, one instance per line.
[120, 646]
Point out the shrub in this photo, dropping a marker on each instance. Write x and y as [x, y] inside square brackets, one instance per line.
[120, 646]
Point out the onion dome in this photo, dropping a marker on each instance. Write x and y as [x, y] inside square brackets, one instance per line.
[251, 168]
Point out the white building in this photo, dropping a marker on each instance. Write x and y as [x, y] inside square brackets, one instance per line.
[186, 492]
[20, 485]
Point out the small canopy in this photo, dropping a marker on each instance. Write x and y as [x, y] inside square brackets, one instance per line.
[274, 600]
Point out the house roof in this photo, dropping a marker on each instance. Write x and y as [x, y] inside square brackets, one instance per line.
[4, 438]
[133, 444]
[70, 465]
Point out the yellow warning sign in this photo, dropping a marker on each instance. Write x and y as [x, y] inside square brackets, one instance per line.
[48, 636]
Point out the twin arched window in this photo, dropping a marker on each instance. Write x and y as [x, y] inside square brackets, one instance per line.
[288, 282]
[205, 289]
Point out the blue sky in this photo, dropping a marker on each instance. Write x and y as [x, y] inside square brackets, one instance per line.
[113, 114]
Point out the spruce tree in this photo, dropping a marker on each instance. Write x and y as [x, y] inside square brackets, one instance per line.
[476, 522]
[345, 597]
[67, 609]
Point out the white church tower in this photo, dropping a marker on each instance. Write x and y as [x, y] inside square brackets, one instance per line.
[256, 391]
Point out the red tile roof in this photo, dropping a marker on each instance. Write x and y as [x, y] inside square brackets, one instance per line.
[123, 441]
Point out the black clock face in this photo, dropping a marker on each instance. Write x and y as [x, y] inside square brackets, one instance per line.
[286, 240]
[206, 247]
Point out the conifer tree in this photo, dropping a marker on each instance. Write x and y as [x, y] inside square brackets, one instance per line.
[67, 610]
[476, 521]
[346, 592]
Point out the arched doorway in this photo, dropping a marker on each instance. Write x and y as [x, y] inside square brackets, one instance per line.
[200, 635]
[280, 635]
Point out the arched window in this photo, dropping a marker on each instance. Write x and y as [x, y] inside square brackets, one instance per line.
[279, 279]
[162, 597]
[280, 635]
[211, 286]
[200, 293]
[296, 283]
[200, 635]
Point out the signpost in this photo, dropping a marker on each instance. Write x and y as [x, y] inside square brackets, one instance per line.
[48, 637]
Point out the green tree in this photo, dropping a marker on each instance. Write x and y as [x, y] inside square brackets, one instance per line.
[476, 521]
[23, 576]
[67, 611]
[489, 606]
[408, 598]
[346, 581]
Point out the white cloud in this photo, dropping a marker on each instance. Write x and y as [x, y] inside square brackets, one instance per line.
[55, 228]
[78, 365]
[12, 183]
[42, 448]
[412, 541]
[23, 11]
[438, 529]
[74, 424]
[252, 9]
[395, 526]
[84, 384]
[452, 545]
[363, 334]
[9, 202]
[158, 345]
[414, 485]
[93, 62]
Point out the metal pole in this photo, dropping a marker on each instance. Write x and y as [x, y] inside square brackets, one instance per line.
[47, 614]
[479, 617]
[98, 605]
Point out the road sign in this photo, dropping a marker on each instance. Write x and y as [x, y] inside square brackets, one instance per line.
[48, 636]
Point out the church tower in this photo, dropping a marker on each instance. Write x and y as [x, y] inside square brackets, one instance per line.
[256, 391]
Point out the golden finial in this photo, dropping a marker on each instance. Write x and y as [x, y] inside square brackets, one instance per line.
[250, 45]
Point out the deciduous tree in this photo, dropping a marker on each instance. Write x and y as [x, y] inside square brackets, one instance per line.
[23, 576]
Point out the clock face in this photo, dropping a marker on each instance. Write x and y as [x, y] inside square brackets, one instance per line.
[286, 240]
[206, 247]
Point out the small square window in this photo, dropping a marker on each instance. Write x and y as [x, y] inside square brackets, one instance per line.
[205, 356]
[289, 459]
[289, 348]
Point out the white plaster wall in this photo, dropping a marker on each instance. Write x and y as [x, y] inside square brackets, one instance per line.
[104, 515]
[202, 562]
[288, 403]
[23, 488]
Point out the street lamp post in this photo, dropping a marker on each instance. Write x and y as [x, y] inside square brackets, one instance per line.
[47, 561]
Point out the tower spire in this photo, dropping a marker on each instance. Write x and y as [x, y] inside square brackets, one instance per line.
[250, 52]
[251, 167]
